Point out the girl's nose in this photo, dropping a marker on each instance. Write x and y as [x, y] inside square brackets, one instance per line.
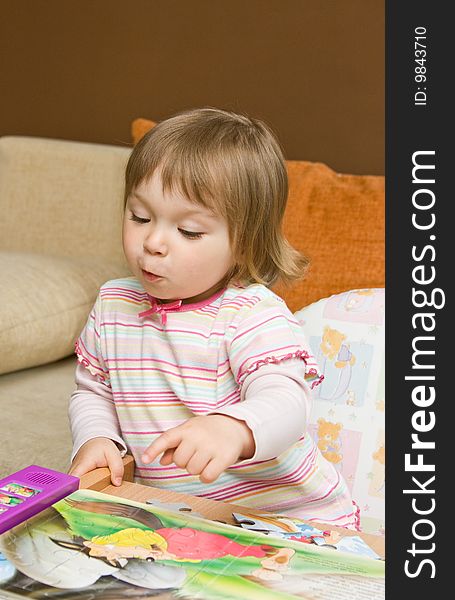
[154, 243]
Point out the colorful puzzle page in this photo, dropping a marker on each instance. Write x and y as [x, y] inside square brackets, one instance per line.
[95, 546]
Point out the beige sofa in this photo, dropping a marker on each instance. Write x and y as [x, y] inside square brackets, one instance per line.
[60, 239]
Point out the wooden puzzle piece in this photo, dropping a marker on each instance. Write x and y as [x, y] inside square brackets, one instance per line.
[276, 524]
[269, 523]
[279, 527]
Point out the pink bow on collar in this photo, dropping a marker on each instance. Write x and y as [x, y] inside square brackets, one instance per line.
[161, 309]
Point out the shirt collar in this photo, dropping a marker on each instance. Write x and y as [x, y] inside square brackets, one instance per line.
[161, 308]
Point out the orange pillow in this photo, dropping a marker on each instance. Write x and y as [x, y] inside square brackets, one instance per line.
[336, 220]
[139, 128]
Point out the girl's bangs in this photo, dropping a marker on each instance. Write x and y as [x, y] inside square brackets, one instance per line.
[193, 178]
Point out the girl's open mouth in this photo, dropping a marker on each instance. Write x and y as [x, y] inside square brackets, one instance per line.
[150, 276]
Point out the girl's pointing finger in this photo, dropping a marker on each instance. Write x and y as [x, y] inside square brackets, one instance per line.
[169, 439]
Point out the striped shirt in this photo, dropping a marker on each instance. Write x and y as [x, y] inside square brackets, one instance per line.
[165, 363]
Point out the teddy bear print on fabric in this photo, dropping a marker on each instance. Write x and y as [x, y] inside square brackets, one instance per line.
[328, 440]
[346, 334]
[334, 349]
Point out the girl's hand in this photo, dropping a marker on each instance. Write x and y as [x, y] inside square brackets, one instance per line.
[98, 452]
[204, 446]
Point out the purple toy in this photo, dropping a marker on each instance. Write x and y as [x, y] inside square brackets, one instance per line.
[31, 490]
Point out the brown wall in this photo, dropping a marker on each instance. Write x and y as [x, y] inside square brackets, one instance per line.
[313, 69]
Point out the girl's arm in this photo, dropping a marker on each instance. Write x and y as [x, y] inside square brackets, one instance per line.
[92, 412]
[271, 418]
[275, 404]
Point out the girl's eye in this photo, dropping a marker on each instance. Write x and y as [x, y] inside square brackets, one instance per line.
[192, 235]
[137, 219]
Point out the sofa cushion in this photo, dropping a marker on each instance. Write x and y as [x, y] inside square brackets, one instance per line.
[34, 417]
[346, 334]
[336, 220]
[62, 197]
[45, 302]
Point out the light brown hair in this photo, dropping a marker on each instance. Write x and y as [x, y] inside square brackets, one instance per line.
[232, 164]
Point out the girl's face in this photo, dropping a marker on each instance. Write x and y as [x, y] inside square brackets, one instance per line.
[177, 249]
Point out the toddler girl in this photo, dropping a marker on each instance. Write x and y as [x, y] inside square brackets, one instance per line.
[194, 358]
